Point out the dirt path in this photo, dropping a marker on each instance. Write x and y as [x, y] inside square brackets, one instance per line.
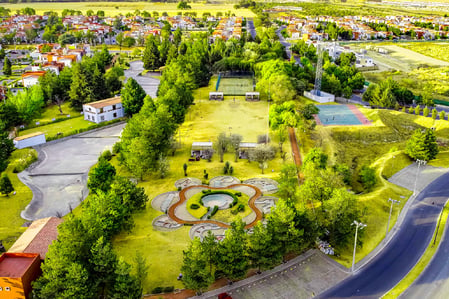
[251, 203]
[295, 147]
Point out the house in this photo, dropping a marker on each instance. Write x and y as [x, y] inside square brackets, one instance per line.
[29, 140]
[104, 110]
[17, 272]
[37, 237]
[31, 78]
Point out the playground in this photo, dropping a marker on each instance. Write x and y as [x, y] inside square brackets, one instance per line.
[340, 115]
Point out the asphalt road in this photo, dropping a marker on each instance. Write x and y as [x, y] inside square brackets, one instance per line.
[434, 280]
[402, 253]
[250, 27]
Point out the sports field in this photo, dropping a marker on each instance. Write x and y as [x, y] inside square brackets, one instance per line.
[340, 115]
[235, 86]
[115, 8]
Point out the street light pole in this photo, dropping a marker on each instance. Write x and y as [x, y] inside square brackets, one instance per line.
[391, 208]
[357, 225]
[419, 162]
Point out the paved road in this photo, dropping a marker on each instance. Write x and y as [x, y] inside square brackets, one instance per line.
[401, 254]
[149, 84]
[433, 283]
[59, 181]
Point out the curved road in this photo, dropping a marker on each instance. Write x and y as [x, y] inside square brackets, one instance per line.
[434, 280]
[401, 254]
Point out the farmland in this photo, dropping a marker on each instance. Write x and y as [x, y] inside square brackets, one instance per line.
[115, 8]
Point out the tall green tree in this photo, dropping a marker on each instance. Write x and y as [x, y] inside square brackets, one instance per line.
[7, 71]
[124, 285]
[263, 252]
[101, 177]
[231, 254]
[151, 55]
[222, 145]
[80, 89]
[195, 269]
[132, 97]
[234, 142]
[422, 145]
[6, 186]
[262, 154]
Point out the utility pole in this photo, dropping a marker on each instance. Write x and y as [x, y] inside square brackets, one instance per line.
[393, 201]
[357, 225]
[419, 162]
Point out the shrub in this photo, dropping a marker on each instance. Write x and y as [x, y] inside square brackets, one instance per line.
[23, 163]
[403, 109]
[116, 148]
[194, 206]
[238, 194]
[368, 177]
[418, 110]
[410, 110]
[107, 155]
[157, 290]
[214, 211]
[434, 113]
[442, 114]
[425, 111]
[169, 289]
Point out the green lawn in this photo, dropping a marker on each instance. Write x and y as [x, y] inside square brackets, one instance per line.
[66, 127]
[204, 121]
[115, 8]
[53, 112]
[10, 207]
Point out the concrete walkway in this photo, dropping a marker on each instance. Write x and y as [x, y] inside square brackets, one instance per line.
[302, 277]
[58, 180]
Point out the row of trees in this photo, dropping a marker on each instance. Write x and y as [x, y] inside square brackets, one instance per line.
[82, 263]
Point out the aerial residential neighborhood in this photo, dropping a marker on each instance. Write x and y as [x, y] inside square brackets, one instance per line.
[228, 149]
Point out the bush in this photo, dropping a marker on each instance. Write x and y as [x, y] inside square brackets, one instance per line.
[107, 155]
[157, 290]
[238, 194]
[442, 114]
[194, 206]
[368, 177]
[403, 109]
[169, 289]
[116, 148]
[214, 211]
[410, 110]
[425, 111]
[23, 163]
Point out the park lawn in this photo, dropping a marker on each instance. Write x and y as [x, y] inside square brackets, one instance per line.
[115, 8]
[204, 121]
[52, 111]
[442, 160]
[228, 217]
[66, 127]
[195, 199]
[425, 259]
[10, 207]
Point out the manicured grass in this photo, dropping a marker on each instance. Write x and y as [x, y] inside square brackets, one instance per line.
[115, 8]
[66, 127]
[442, 160]
[204, 121]
[10, 207]
[195, 199]
[423, 261]
[53, 112]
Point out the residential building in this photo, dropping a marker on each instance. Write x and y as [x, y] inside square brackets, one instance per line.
[31, 78]
[104, 110]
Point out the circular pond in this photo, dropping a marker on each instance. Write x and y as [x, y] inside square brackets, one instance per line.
[222, 201]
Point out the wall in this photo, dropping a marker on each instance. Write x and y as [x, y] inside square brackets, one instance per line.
[323, 98]
[28, 142]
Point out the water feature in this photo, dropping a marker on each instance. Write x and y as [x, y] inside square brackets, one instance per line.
[222, 201]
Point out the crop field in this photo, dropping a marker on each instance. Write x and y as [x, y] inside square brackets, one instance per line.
[115, 8]
[437, 50]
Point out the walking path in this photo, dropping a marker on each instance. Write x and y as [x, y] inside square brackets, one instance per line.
[295, 147]
[182, 199]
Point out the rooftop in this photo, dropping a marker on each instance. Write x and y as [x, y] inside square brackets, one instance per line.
[204, 144]
[28, 136]
[38, 237]
[14, 265]
[104, 103]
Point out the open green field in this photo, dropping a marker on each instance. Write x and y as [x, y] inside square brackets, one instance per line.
[380, 146]
[204, 121]
[115, 8]
[53, 112]
[437, 50]
[65, 127]
[10, 207]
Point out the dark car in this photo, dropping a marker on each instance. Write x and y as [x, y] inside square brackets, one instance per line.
[224, 296]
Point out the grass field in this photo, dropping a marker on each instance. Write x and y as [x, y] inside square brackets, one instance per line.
[10, 207]
[65, 127]
[115, 8]
[204, 121]
[437, 50]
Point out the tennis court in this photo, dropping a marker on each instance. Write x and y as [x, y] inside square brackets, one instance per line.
[235, 86]
[340, 115]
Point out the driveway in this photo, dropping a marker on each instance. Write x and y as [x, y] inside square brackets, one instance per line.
[59, 180]
[147, 81]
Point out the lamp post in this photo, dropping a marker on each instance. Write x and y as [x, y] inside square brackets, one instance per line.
[357, 225]
[419, 162]
[393, 201]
